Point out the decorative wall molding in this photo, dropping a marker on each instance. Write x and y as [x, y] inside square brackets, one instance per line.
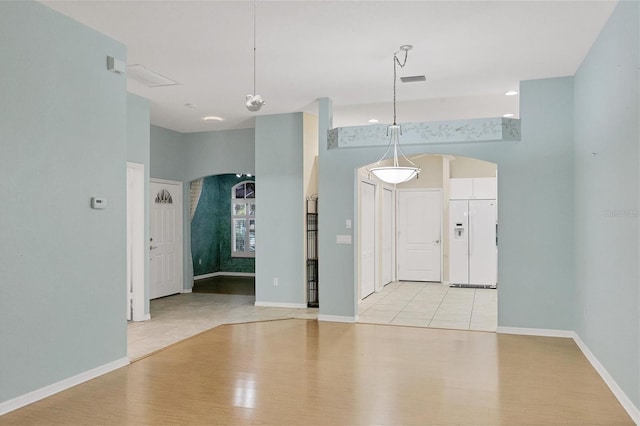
[38, 394]
[437, 132]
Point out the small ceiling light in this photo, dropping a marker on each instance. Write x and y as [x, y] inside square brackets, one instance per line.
[249, 175]
[511, 93]
[212, 118]
[397, 173]
[373, 121]
[254, 101]
[238, 175]
[508, 115]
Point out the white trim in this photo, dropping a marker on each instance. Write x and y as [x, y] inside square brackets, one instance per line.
[167, 181]
[545, 332]
[187, 290]
[224, 274]
[622, 397]
[44, 392]
[281, 305]
[336, 318]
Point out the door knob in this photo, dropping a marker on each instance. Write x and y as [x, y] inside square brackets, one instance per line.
[153, 247]
[437, 241]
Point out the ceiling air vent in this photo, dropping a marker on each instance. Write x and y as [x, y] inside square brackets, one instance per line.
[147, 77]
[413, 79]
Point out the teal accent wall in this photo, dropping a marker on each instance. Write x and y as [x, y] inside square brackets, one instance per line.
[536, 265]
[607, 199]
[63, 133]
[211, 229]
[280, 219]
[188, 156]
[138, 151]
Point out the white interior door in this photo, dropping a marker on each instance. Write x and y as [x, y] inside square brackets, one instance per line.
[419, 235]
[135, 242]
[483, 252]
[387, 236]
[367, 239]
[165, 238]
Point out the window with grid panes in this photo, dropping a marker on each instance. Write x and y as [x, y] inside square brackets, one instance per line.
[243, 219]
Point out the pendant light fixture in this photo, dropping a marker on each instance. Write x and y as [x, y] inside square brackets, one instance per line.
[254, 101]
[402, 169]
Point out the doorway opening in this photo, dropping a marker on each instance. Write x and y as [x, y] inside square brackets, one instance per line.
[223, 211]
[427, 249]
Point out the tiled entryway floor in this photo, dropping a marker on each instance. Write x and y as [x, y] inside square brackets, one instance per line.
[431, 305]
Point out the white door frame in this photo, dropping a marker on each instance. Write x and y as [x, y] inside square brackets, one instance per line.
[392, 189]
[179, 202]
[135, 242]
[436, 190]
[376, 254]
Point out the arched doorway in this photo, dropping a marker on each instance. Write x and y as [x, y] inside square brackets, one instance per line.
[433, 281]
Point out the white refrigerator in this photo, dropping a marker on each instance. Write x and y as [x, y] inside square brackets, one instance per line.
[473, 248]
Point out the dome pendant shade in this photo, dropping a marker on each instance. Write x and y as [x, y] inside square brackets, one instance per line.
[395, 175]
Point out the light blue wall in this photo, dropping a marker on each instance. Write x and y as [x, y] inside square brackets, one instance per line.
[187, 156]
[62, 141]
[535, 271]
[607, 199]
[280, 209]
[138, 151]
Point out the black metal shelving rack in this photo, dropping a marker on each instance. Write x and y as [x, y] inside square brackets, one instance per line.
[312, 252]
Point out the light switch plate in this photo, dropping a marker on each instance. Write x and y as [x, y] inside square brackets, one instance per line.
[343, 239]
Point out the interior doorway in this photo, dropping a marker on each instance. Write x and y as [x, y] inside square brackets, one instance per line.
[430, 249]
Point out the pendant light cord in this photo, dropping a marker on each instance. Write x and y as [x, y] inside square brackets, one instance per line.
[254, 47]
[397, 61]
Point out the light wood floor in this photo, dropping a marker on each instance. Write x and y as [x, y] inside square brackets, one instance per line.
[310, 372]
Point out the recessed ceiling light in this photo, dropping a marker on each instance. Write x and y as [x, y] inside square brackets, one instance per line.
[373, 120]
[511, 93]
[508, 115]
[212, 118]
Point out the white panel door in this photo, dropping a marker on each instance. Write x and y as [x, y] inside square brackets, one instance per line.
[387, 236]
[483, 252]
[419, 229]
[165, 238]
[367, 239]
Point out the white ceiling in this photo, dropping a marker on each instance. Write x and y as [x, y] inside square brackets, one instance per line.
[471, 52]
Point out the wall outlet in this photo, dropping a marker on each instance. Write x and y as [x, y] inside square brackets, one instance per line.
[275, 281]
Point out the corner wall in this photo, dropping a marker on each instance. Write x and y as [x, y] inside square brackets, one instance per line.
[607, 199]
[63, 140]
[535, 189]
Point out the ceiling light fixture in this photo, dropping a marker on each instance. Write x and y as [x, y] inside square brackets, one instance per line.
[511, 93]
[397, 173]
[373, 120]
[254, 101]
[212, 118]
[508, 115]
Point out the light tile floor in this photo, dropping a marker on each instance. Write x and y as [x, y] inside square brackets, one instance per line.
[178, 317]
[431, 305]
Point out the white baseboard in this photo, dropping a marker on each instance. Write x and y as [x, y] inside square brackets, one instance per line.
[186, 290]
[282, 305]
[337, 318]
[622, 397]
[145, 317]
[544, 332]
[37, 395]
[224, 274]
